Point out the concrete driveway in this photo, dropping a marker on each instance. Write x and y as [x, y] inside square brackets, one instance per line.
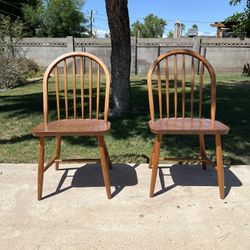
[186, 212]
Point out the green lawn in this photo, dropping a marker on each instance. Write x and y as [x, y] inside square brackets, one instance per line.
[129, 139]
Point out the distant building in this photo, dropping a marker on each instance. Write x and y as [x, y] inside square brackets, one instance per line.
[224, 29]
[192, 32]
[177, 29]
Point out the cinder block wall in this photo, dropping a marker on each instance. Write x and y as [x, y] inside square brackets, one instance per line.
[227, 55]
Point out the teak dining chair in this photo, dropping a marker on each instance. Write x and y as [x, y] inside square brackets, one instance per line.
[76, 80]
[178, 105]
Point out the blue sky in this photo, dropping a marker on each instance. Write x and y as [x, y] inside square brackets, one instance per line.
[189, 12]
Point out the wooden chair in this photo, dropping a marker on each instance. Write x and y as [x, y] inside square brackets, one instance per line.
[184, 116]
[79, 84]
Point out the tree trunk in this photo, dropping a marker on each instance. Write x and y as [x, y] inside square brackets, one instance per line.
[118, 19]
[248, 20]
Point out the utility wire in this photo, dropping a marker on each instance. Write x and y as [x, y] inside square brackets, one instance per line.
[141, 18]
[2, 1]
[100, 19]
[9, 13]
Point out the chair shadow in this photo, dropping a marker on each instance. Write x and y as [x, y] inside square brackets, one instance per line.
[194, 175]
[90, 175]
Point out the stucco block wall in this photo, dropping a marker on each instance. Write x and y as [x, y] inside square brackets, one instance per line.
[227, 55]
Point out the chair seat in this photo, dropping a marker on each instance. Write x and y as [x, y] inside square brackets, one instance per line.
[187, 126]
[72, 127]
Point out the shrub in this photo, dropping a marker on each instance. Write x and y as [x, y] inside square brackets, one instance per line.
[15, 71]
[29, 67]
[14, 67]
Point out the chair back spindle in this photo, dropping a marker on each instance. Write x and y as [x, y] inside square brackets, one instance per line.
[74, 85]
[175, 86]
[65, 81]
[57, 93]
[183, 85]
[82, 65]
[167, 87]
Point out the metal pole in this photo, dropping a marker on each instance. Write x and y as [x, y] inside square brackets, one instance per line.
[91, 23]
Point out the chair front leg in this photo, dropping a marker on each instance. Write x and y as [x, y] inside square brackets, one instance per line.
[152, 155]
[155, 164]
[202, 150]
[58, 150]
[220, 168]
[40, 171]
[107, 155]
[101, 145]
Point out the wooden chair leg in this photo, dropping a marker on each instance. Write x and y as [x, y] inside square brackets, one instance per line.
[202, 150]
[155, 164]
[107, 155]
[58, 150]
[152, 155]
[40, 171]
[104, 165]
[220, 168]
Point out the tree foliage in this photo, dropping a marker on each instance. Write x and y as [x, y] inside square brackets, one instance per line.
[55, 18]
[183, 27]
[152, 26]
[234, 2]
[10, 34]
[170, 34]
[241, 20]
[14, 67]
[13, 8]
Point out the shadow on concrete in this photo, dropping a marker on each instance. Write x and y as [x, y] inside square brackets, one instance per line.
[90, 175]
[193, 175]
